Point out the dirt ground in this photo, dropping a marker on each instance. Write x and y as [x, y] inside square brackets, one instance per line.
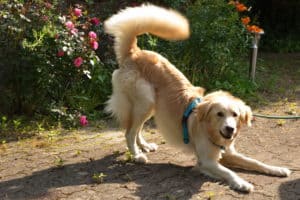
[92, 163]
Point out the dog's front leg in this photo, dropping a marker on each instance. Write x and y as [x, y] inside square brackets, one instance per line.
[218, 171]
[235, 159]
[208, 164]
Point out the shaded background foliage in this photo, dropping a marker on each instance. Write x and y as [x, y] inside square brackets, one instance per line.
[214, 57]
[281, 22]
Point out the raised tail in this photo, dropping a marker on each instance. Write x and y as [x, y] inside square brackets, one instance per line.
[131, 22]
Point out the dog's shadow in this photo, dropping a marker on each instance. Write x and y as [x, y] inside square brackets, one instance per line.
[156, 181]
[290, 190]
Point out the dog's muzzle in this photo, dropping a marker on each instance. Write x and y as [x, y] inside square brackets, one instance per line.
[227, 133]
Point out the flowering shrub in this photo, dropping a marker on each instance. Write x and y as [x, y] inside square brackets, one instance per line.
[76, 40]
[70, 43]
[58, 70]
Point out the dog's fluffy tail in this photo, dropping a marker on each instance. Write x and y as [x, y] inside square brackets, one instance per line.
[131, 22]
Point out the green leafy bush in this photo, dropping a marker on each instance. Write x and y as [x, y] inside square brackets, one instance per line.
[219, 41]
[214, 55]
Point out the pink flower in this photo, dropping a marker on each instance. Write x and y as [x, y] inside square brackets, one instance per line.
[83, 120]
[77, 12]
[70, 25]
[92, 35]
[60, 53]
[94, 44]
[74, 31]
[95, 21]
[78, 61]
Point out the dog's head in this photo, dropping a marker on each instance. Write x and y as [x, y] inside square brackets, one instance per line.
[223, 115]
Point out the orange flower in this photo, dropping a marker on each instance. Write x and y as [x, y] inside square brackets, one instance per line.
[254, 29]
[245, 20]
[240, 7]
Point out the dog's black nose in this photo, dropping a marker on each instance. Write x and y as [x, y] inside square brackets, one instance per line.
[229, 129]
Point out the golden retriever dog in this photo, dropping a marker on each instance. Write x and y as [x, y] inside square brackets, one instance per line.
[147, 84]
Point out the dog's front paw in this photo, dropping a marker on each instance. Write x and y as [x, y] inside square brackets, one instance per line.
[241, 185]
[141, 158]
[281, 171]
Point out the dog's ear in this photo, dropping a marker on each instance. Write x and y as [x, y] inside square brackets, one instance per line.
[202, 110]
[246, 115]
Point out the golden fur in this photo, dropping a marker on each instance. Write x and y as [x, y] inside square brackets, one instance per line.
[147, 84]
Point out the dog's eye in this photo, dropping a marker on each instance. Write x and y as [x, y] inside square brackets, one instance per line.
[220, 114]
[234, 114]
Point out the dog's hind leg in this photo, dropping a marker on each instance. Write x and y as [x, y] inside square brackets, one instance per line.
[131, 139]
[142, 110]
[133, 134]
[145, 146]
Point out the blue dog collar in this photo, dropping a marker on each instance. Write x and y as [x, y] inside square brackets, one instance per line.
[186, 115]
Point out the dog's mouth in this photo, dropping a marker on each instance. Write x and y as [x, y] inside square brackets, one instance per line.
[225, 136]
